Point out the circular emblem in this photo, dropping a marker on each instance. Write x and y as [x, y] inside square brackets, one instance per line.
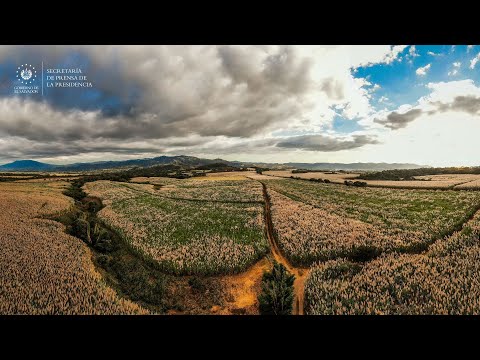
[26, 74]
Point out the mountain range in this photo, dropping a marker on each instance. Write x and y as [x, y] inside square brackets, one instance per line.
[192, 161]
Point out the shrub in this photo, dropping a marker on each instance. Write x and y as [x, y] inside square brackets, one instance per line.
[196, 283]
[364, 253]
[103, 260]
[277, 291]
[81, 229]
[360, 183]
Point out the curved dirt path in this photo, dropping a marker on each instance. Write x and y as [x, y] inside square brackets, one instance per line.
[300, 273]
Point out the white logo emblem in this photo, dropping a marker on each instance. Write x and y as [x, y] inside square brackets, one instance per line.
[26, 74]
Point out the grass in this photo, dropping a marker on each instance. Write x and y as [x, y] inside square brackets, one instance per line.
[317, 222]
[404, 209]
[442, 280]
[181, 236]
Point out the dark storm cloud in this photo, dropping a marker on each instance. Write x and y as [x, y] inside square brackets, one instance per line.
[162, 91]
[21, 148]
[325, 143]
[469, 104]
[163, 98]
[283, 71]
[397, 121]
[333, 89]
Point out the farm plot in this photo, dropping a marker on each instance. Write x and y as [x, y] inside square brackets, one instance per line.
[335, 177]
[44, 270]
[444, 280]
[471, 185]
[182, 236]
[324, 221]
[155, 180]
[224, 191]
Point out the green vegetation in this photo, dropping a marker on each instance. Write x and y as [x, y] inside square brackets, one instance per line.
[123, 269]
[442, 280]
[277, 291]
[355, 183]
[183, 235]
[409, 174]
[317, 222]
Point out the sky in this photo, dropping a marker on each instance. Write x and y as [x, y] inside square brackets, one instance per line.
[377, 103]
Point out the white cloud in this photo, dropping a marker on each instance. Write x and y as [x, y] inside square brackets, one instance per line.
[422, 71]
[374, 88]
[197, 93]
[469, 47]
[446, 92]
[431, 53]
[412, 52]
[474, 61]
[394, 53]
[439, 136]
[454, 71]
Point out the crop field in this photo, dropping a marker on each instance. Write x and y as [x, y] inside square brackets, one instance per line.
[336, 178]
[353, 250]
[445, 181]
[44, 270]
[317, 222]
[244, 191]
[155, 180]
[470, 185]
[444, 280]
[208, 228]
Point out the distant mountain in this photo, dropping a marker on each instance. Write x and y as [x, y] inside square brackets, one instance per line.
[182, 160]
[187, 161]
[192, 161]
[355, 166]
[27, 165]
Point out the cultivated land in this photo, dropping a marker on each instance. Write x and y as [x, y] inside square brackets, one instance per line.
[444, 181]
[317, 222]
[443, 280]
[209, 239]
[44, 270]
[196, 227]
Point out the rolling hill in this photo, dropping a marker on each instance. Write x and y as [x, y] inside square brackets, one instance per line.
[192, 161]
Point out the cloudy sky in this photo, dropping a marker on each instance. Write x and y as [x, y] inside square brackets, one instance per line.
[401, 103]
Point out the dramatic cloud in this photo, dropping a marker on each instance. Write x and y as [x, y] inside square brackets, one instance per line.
[396, 121]
[149, 99]
[467, 104]
[422, 71]
[260, 102]
[454, 96]
[325, 143]
[333, 89]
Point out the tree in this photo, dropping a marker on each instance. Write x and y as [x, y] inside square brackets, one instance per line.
[277, 291]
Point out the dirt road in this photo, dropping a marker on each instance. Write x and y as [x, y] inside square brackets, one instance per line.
[300, 273]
